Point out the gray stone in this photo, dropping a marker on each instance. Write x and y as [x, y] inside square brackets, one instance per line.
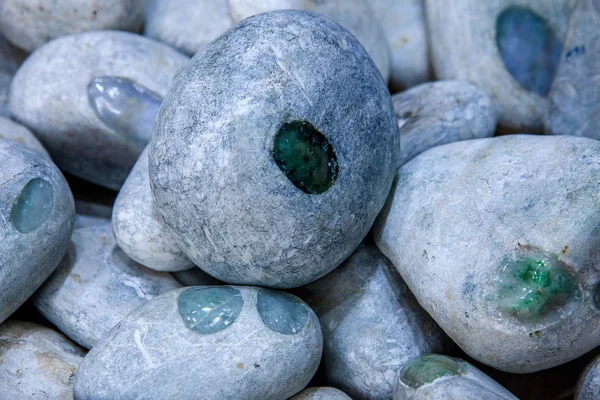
[241, 201]
[354, 15]
[498, 240]
[588, 387]
[371, 323]
[10, 130]
[217, 341]
[403, 22]
[30, 23]
[437, 377]
[36, 221]
[36, 362]
[187, 25]
[575, 94]
[194, 277]
[10, 59]
[139, 228]
[75, 91]
[96, 285]
[470, 29]
[89, 213]
[441, 112]
[321, 393]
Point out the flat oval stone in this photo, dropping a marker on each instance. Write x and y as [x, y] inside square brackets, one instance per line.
[155, 352]
[10, 130]
[321, 393]
[282, 312]
[36, 221]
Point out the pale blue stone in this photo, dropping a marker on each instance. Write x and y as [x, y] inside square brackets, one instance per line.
[125, 106]
[281, 311]
[209, 310]
[33, 207]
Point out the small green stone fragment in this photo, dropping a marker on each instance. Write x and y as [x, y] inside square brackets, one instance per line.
[281, 311]
[208, 310]
[33, 206]
[306, 157]
[427, 368]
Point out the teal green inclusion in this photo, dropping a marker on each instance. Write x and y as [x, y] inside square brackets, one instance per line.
[33, 207]
[427, 368]
[529, 48]
[281, 311]
[306, 157]
[530, 287]
[209, 310]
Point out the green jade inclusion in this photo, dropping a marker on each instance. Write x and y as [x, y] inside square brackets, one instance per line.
[33, 206]
[281, 311]
[427, 368]
[306, 157]
[208, 310]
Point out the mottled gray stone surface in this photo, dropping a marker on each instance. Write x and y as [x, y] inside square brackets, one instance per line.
[575, 94]
[30, 23]
[468, 28]
[34, 230]
[321, 393]
[497, 238]
[89, 213]
[139, 228]
[187, 25]
[371, 324]
[49, 94]
[403, 22]
[96, 285]
[36, 362]
[212, 171]
[10, 59]
[588, 387]
[354, 15]
[194, 277]
[456, 380]
[10, 130]
[155, 354]
[441, 112]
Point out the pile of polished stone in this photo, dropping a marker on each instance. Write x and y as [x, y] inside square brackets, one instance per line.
[284, 227]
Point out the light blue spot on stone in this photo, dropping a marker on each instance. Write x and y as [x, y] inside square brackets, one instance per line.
[529, 48]
[33, 207]
[281, 311]
[125, 106]
[209, 310]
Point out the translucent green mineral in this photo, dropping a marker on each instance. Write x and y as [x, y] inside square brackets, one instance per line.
[209, 310]
[33, 207]
[281, 311]
[427, 368]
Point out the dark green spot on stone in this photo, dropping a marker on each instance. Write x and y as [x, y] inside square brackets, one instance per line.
[209, 310]
[427, 368]
[33, 207]
[281, 311]
[306, 157]
[528, 47]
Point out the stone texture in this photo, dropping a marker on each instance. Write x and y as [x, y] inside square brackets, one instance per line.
[159, 352]
[36, 362]
[139, 228]
[10, 59]
[497, 239]
[49, 95]
[371, 324]
[321, 393]
[588, 386]
[96, 285]
[10, 130]
[212, 172]
[36, 220]
[441, 112]
[30, 23]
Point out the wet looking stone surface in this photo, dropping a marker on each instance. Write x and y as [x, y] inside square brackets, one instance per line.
[33, 207]
[209, 310]
[281, 312]
[427, 368]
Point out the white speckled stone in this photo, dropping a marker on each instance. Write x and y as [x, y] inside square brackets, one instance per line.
[49, 95]
[588, 387]
[89, 213]
[139, 228]
[321, 393]
[30, 23]
[371, 323]
[460, 217]
[441, 112]
[96, 285]
[36, 362]
[10, 130]
[29, 256]
[354, 15]
[155, 354]
[187, 25]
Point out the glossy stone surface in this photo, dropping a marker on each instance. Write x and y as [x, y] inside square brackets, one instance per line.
[152, 353]
[282, 312]
[496, 239]
[10, 130]
[321, 393]
[36, 362]
[213, 176]
[209, 310]
[588, 386]
[427, 368]
[36, 221]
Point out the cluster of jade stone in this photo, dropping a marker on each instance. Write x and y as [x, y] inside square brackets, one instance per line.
[280, 213]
